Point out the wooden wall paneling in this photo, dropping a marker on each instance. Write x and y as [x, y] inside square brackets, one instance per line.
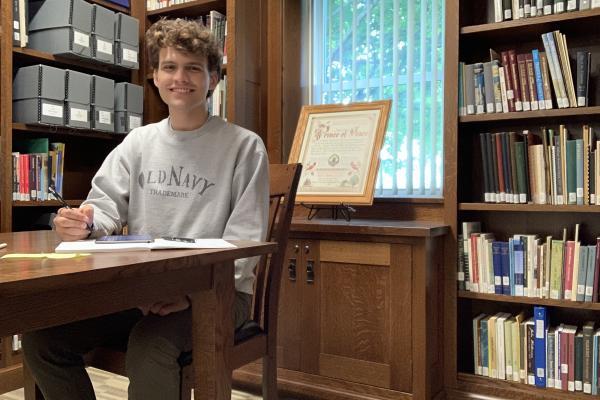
[293, 93]
[273, 79]
[232, 30]
[248, 64]
[450, 188]
[6, 73]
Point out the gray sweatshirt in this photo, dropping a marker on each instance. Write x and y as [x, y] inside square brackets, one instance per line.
[212, 182]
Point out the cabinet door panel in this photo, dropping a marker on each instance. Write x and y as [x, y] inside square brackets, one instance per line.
[358, 301]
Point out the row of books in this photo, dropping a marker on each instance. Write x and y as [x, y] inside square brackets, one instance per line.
[522, 82]
[218, 101]
[528, 265]
[550, 168]
[505, 10]
[529, 350]
[152, 5]
[35, 170]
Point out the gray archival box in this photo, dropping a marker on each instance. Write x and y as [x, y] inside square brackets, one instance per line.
[103, 103]
[61, 27]
[126, 41]
[77, 96]
[103, 34]
[38, 95]
[129, 106]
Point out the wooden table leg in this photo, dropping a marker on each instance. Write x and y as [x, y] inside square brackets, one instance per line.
[212, 335]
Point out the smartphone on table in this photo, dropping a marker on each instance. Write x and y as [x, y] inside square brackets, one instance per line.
[112, 239]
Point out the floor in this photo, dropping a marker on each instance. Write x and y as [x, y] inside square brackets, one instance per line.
[114, 387]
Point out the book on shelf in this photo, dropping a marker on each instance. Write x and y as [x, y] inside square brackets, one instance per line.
[528, 265]
[506, 10]
[544, 168]
[36, 163]
[531, 351]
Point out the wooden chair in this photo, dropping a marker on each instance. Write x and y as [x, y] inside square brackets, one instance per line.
[257, 338]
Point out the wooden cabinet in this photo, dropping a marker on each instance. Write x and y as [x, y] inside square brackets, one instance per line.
[359, 312]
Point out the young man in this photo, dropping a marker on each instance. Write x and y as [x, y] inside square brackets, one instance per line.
[188, 175]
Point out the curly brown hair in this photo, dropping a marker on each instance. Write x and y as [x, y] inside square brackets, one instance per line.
[184, 35]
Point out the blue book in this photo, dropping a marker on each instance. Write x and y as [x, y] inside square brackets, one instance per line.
[484, 346]
[539, 345]
[124, 3]
[505, 268]
[497, 261]
[538, 78]
[511, 258]
[519, 262]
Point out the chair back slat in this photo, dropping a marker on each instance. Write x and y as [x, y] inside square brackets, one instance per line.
[283, 184]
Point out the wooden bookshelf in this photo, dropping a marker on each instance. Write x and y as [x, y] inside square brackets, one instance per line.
[528, 300]
[468, 38]
[528, 208]
[582, 113]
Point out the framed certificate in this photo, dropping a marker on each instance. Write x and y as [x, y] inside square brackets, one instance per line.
[338, 146]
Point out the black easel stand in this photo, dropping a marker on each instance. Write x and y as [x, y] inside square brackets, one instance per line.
[337, 211]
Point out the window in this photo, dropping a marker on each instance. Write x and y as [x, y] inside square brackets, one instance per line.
[363, 50]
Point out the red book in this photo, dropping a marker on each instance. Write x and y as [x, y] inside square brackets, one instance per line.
[514, 74]
[564, 358]
[596, 265]
[571, 373]
[508, 77]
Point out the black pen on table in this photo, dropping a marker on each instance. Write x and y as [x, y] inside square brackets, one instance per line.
[53, 191]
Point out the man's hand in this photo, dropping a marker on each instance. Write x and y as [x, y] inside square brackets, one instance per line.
[72, 223]
[167, 306]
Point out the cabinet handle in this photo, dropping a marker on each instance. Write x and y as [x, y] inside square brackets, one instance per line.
[310, 271]
[292, 270]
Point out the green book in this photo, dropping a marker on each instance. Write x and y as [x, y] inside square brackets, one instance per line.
[521, 171]
[556, 269]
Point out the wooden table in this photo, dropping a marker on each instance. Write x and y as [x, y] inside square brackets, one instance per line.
[38, 293]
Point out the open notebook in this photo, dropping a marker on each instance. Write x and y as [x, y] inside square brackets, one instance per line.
[90, 246]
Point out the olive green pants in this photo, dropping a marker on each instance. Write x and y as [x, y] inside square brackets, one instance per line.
[154, 343]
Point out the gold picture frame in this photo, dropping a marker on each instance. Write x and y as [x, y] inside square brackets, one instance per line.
[338, 146]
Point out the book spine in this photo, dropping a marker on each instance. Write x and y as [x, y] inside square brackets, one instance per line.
[546, 80]
[510, 91]
[541, 327]
[524, 84]
[531, 82]
[514, 74]
[489, 87]
[496, 85]
[538, 79]
[582, 77]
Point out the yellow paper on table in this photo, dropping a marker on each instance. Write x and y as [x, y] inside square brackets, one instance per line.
[54, 256]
